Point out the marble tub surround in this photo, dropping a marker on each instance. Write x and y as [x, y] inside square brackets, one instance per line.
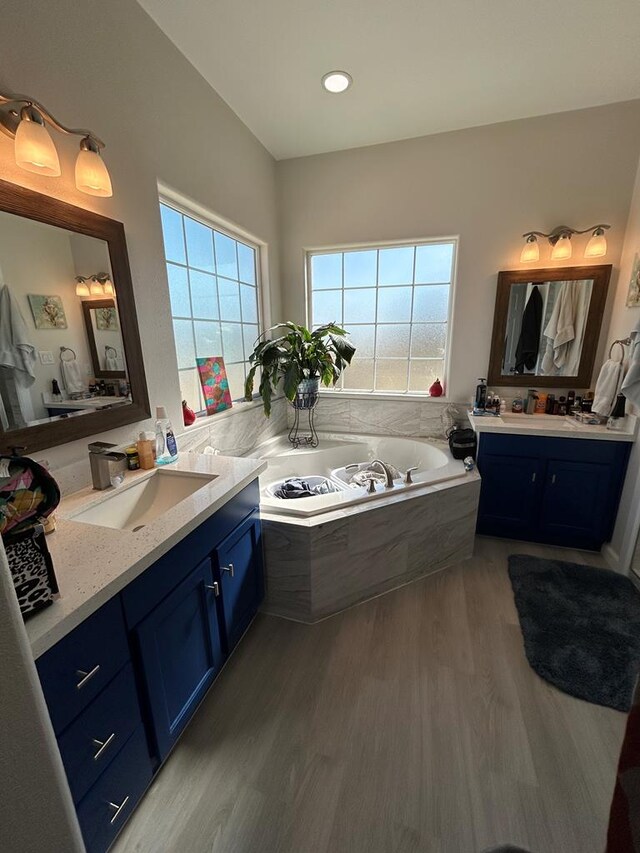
[316, 567]
[551, 426]
[382, 416]
[93, 563]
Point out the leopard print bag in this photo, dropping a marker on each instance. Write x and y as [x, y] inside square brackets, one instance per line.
[31, 568]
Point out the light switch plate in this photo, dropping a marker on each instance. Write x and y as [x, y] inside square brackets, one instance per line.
[46, 357]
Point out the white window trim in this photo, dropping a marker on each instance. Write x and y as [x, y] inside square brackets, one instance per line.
[385, 244]
[193, 209]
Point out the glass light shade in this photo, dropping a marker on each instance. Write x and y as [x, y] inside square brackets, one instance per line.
[530, 252]
[108, 288]
[336, 82]
[34, 149]
[96, 289]
[562, 250]
[92, 176]
[82, 289]
[597, 246]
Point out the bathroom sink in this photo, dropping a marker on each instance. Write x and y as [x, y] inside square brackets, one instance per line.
[540, 421]
[134, 506]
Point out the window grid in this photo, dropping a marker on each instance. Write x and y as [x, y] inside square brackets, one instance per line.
[413, 377]
[193, 317]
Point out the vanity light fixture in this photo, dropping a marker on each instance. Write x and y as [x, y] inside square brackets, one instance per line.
[98, 284]
[25, 121]
[337, 82]
[560, 241]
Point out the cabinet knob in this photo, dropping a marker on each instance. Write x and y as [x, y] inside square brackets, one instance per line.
[86, 676]
[229, 569]
[102, 744]
[214, 587]
[553, 479]
[118, 808]
[533, 477]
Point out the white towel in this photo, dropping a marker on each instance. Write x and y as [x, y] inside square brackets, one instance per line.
[17, 353]
[111, 362]
[631, 384]
[72, 376]
[560, 329]
[607, 387]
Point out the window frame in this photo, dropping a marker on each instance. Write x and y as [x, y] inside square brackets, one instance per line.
[310, 252]
[197, 212]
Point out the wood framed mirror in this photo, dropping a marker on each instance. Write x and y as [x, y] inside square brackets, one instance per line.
[54, 385]
[546, 326]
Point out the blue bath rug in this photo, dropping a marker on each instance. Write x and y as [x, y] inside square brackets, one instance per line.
[581, 627]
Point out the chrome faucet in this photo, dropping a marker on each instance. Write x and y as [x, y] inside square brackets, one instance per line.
[387, 471]
[100, 454]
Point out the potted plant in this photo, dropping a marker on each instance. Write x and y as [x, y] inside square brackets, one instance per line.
[302, 359]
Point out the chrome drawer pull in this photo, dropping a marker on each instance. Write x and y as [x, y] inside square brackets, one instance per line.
[103, 744]
[118, 808]
[86, 676]
[229, 569]
[215, 587]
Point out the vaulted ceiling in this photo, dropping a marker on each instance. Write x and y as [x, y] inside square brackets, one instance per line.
[418, 66]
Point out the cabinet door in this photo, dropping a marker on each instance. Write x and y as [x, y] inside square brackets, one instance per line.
[180, 650]
[575, 503]
[509, 495]
[239, 559]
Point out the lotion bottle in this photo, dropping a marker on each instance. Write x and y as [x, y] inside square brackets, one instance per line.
[166, 446]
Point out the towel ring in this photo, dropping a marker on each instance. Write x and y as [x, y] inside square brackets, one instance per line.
[622, 343]
[113, 349]
[67, 349]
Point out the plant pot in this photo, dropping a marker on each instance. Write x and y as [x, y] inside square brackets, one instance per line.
[306, 394]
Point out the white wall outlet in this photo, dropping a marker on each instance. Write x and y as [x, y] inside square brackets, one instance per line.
[46, 357]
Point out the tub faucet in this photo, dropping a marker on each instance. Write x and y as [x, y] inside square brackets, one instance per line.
[100, 454]
[387, 471]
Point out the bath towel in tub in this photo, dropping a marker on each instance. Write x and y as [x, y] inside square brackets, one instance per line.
[298, 488]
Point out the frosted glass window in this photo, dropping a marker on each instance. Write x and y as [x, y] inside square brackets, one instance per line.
[204, 295]
[199, 245]
[394, 302]
[326, 271]
[360, 305]
[226, 259]
[214, 290]
[179, 291]
[360, 269]
[327, 307]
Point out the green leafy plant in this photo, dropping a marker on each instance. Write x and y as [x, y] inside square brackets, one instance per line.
[296, 355]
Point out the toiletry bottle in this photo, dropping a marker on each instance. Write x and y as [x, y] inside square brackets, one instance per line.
[145, 447]
[616, 419]
[562, 406]
[166, 447]
[503, 407]
[517, 406]
[481, 394]
[551, 401]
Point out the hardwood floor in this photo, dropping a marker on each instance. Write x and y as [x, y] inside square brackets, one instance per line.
[410, 723]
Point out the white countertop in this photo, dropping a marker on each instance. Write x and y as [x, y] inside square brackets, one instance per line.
[551, 426]
[93, 563]
[87, 403]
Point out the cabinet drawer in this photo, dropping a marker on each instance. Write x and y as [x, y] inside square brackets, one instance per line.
[105, 809]
[92, 741]
[77, 668]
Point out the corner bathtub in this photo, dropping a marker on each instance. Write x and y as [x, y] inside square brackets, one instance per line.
[433, 465]
[328, 552]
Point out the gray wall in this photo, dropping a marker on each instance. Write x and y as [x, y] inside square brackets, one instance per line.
[487, 184]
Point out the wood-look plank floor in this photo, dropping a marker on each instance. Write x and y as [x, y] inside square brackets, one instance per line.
[410, 724]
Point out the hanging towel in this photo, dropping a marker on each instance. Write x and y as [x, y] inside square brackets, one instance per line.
[529, 341]
[607, 387]
[631, 384]
[72, 376]
[560, 330]
[17, 353]
[112, 362]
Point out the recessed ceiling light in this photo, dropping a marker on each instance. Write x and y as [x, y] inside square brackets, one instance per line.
[337, 81]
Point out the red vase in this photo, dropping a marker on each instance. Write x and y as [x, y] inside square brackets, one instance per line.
[188, 415]
[436, 389]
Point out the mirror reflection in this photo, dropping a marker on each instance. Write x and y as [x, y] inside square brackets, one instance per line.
[61, 351]
[546, 324]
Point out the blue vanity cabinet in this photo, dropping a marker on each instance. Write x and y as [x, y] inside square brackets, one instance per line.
[180, 653]
[239, 566]
[559, 491]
